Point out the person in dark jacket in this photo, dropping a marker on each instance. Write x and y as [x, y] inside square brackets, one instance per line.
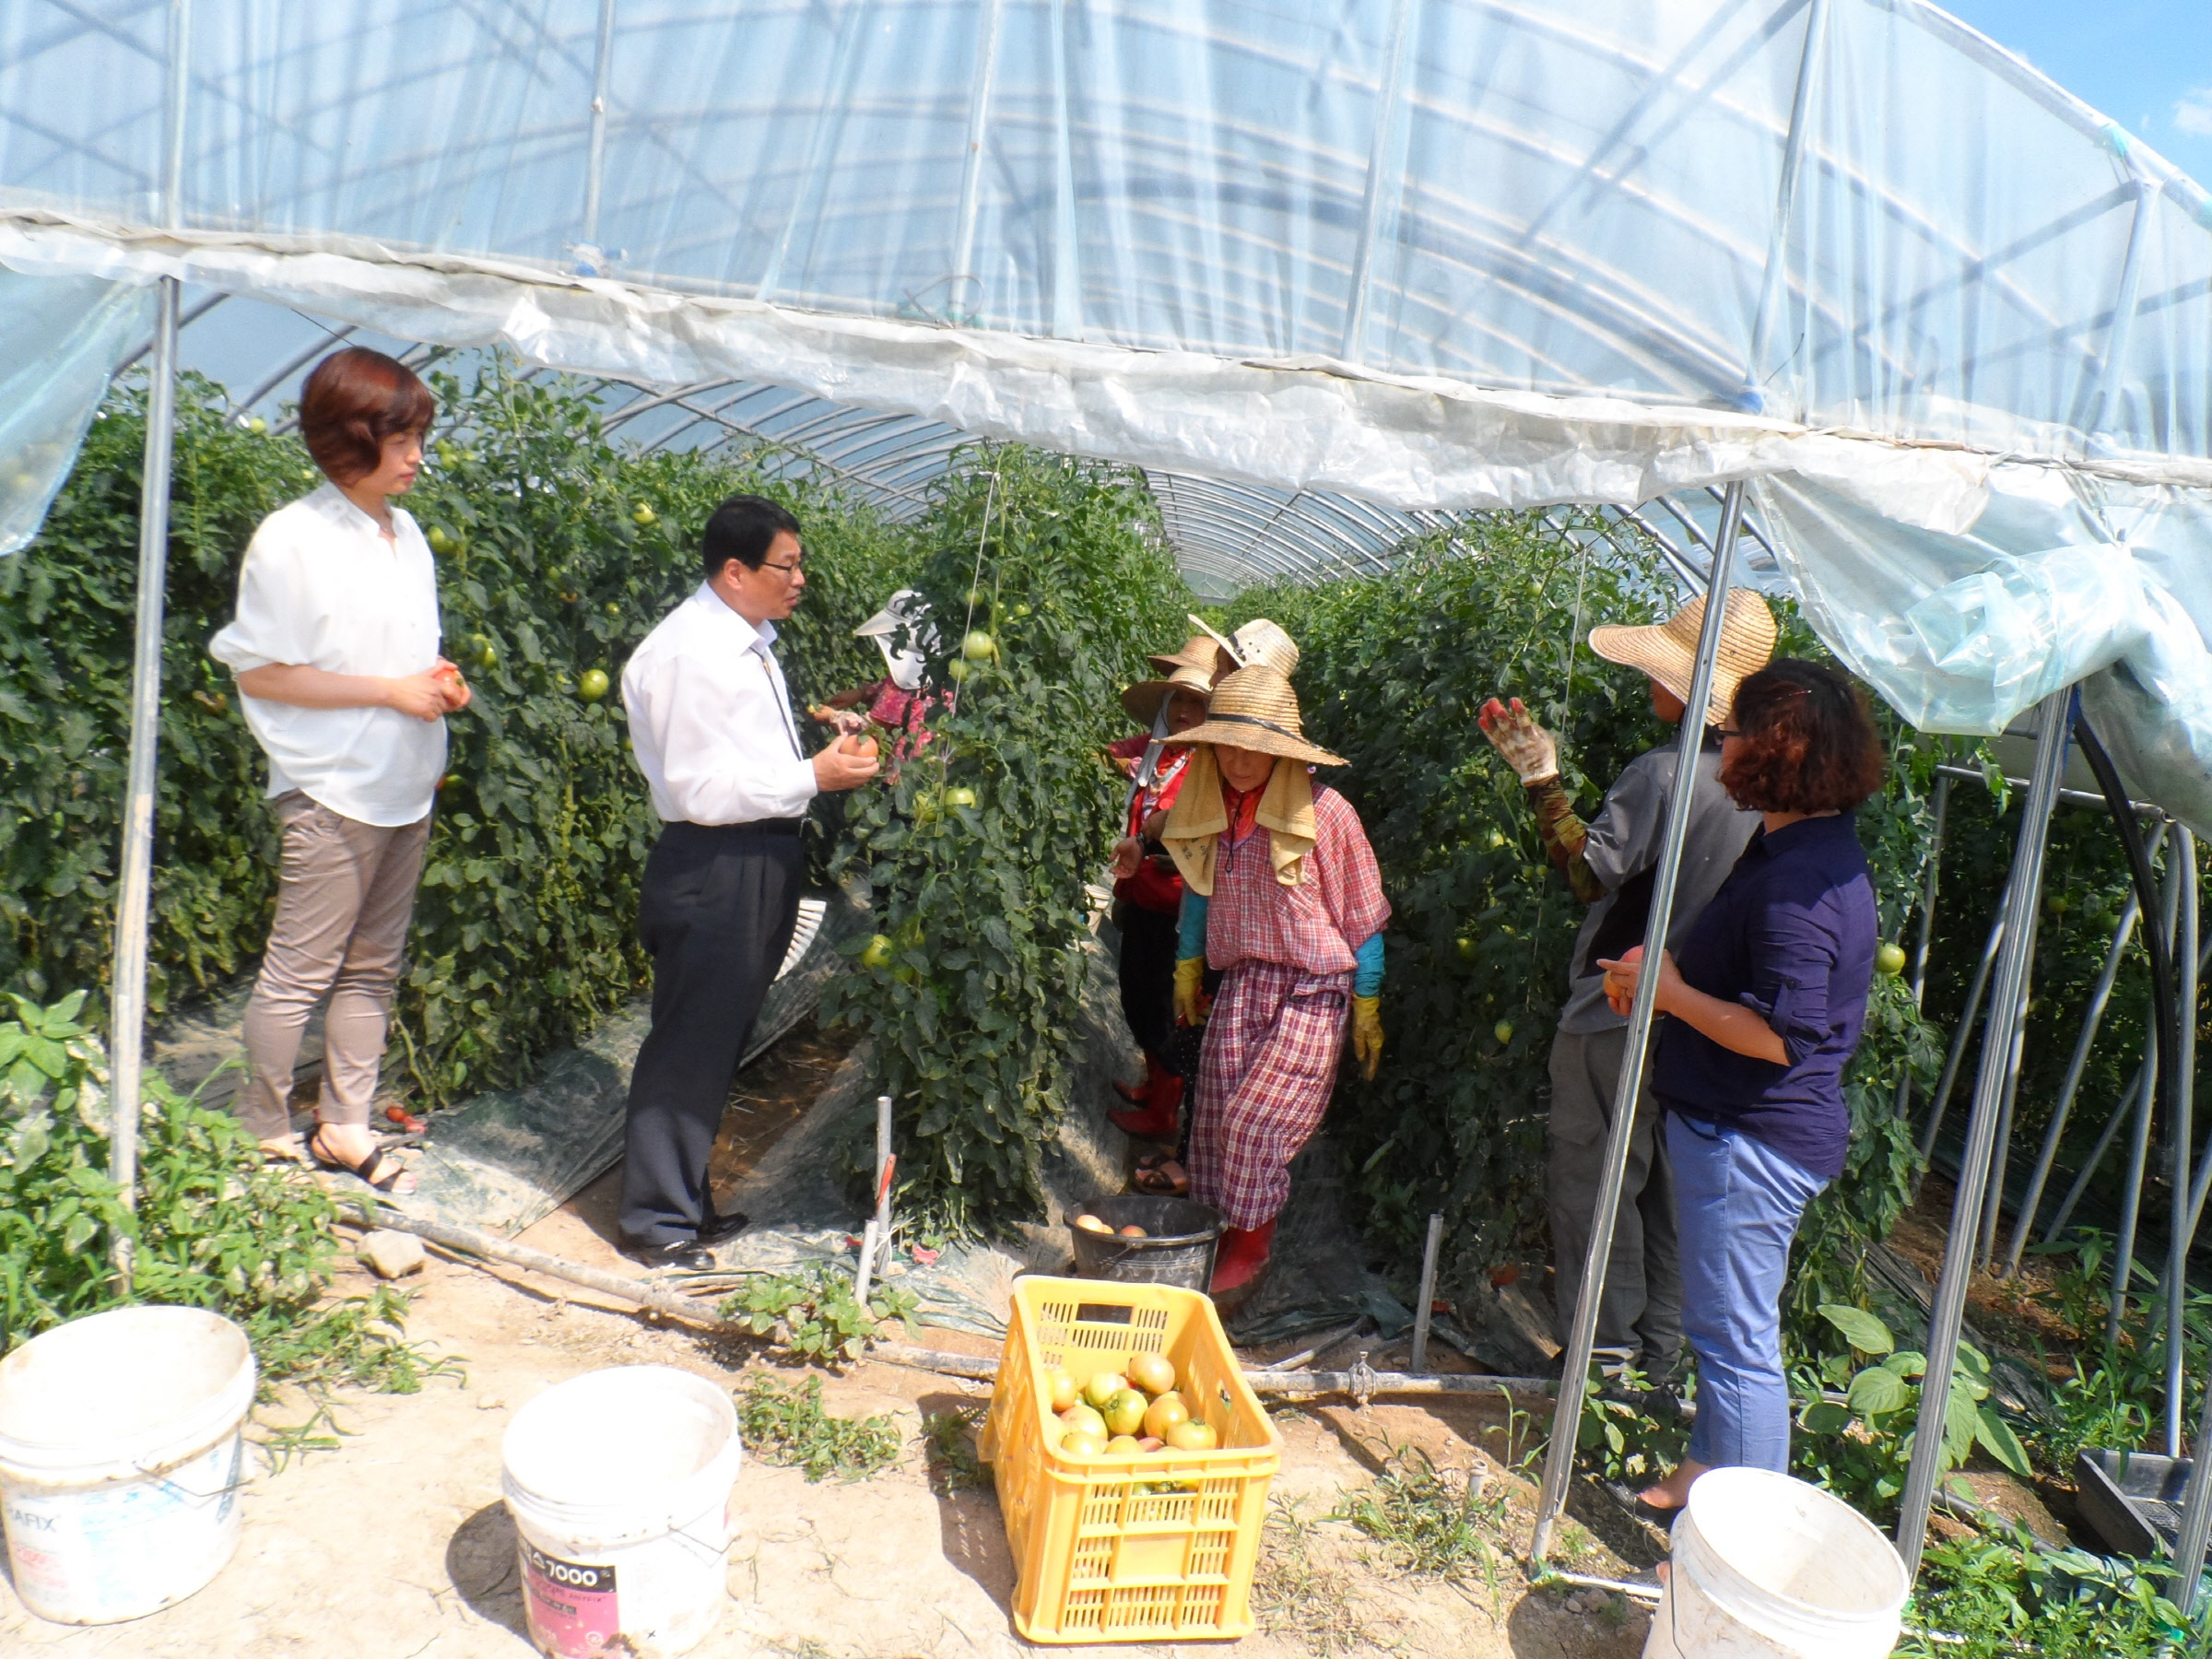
[1764, 1008]
[1609, 865]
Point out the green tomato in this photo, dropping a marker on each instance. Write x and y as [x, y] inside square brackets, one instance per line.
[1466, 947]
[487, 656]
[441, 540]
[1503, 1030]
[955, 671]
[613, 609]
[258, 427]
[1890, 960]
[959, 797]
[643, 517]
[978, 600]
[878, 953]
[593, 686]
[1022, 609]
[979, 647]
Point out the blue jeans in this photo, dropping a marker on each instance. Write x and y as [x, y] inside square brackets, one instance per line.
[1737, 1204]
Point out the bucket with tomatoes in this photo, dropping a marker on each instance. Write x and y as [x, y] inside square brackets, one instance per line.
[1145, 1239]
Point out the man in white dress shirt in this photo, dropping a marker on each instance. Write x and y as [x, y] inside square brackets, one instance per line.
[711, 721]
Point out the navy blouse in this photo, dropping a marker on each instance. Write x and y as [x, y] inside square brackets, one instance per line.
[1792, 934]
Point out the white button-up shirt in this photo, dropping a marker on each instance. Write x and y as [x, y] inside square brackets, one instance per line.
[710, 718]
[322, 587]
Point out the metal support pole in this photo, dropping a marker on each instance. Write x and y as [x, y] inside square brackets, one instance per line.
[1381, 155]
[2091, 1019]
[1792, 157]
[1419, 1359]
[134, 882]
[603, 63]
[2131, 1202]
[2197, 1519]
[1574, 1372]
[978, 131]
[1941, 1102]
[2183, 1134]
[2023, 893]
[136, 886]
[2142, 1080]
[1993, 1199]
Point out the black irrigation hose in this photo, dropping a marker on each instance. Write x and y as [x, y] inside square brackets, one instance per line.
[2163, 997]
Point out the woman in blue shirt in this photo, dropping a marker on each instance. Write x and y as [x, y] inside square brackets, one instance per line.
[1766, 1001]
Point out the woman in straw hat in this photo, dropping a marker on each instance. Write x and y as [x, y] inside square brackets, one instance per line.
[1283, 897]
[1609, 865]
[1765, 1001]
[1149, 893]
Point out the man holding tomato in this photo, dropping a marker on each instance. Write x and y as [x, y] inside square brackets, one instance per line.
[1609, 864]
[711, 723]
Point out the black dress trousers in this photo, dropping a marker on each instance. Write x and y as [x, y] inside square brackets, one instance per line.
[716, 915]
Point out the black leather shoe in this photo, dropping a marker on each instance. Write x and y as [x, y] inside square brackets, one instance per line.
[717, 1228]
[686, 1255]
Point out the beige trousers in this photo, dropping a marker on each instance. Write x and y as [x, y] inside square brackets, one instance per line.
[345, 893]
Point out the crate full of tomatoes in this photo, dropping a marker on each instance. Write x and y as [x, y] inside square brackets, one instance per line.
[1132, 1461]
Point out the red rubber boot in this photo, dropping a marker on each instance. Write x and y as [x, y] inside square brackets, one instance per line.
[1162, 1111]
[1241, 1259]
[1138, 1094]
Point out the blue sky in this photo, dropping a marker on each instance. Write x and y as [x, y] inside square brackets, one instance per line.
[2147, 63]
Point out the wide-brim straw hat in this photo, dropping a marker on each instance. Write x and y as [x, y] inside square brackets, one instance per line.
[1255, 709]
[1201, 651]
[1143, 700]
[1260, 643]
[1667, 651]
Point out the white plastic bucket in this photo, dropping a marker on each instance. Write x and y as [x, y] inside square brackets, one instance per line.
[122, 1453]
[620, 1483]
[1765, 1567]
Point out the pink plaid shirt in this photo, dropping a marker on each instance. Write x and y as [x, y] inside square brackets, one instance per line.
[1314, 926]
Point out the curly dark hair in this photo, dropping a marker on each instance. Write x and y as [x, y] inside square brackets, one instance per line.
[1808, 741]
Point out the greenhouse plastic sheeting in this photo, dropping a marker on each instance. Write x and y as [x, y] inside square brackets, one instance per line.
[2064, 579]
[59, 341]
[1853, 216]
[1437, 254]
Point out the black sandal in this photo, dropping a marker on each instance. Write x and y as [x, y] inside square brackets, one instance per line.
[1151, 1178]
[366, 1171]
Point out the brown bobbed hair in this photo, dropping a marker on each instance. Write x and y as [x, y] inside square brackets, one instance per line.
[352, 402]
[1809, 742]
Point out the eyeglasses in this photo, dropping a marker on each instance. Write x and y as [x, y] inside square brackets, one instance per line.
[789, 569]
[1727, 732]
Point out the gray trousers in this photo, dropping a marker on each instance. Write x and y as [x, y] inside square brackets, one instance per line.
[1639, 1317]
[345, 894]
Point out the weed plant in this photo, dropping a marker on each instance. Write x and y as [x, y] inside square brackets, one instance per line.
[2000, 1595]
[787, 1425]
[1429, 1521]
[215, 1227]
[813, 1315]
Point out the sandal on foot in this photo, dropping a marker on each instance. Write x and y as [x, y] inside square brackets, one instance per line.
[379, 1169]
[1160, 1176]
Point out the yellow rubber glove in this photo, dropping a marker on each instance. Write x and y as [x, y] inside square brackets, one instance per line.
[1189, 990]
[1367, 1033]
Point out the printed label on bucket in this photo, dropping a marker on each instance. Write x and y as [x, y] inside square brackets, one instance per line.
[572, 1605]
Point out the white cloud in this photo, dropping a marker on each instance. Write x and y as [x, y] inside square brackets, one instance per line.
[2193, 114]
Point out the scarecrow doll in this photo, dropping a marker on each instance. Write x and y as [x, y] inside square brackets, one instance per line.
[1280, 895]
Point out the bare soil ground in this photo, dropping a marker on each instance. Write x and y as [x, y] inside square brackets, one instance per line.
[397, 1545]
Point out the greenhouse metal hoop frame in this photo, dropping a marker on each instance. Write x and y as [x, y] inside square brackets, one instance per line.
[2012, 962]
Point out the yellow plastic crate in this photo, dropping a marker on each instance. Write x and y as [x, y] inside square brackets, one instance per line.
[1128, 1548]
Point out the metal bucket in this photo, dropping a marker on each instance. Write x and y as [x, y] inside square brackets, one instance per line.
[1178, 1248]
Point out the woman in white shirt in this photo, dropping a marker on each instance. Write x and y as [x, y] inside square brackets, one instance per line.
[336, 648]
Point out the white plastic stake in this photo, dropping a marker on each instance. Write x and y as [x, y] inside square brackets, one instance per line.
[884, 1164]
[1419, 1360]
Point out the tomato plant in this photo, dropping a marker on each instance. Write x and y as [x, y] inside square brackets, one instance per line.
[558, 551]
[1392, 670]
[979, 854]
